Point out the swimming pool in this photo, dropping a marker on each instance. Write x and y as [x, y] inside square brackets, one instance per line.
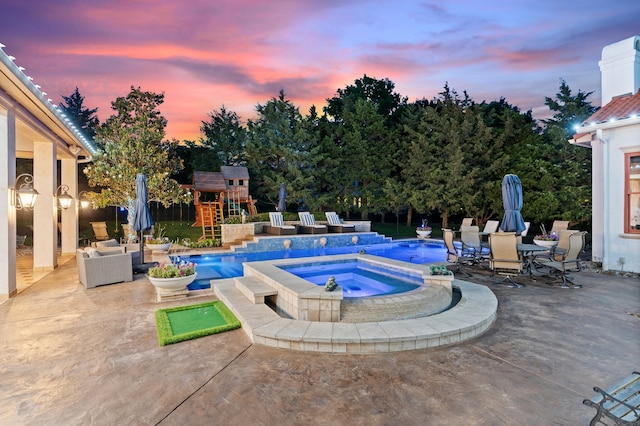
[229, 265]
[357, 279]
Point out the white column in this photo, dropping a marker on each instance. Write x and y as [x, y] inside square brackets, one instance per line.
[69, 238]
[45, 213]
[8, 287]
[597, 200]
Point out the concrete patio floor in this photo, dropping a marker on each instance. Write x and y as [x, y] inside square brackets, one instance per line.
[74, 356]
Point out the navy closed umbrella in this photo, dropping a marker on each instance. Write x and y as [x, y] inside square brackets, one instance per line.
[142, 219]
[282, 195]
[512, 203]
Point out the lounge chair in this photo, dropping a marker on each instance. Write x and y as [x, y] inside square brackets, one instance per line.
[504, 258]
[308, 224]
[336, 225]
[467, 221]
[128, 236]
[526, 229]
[277, 226]
[100, 231]
[570, 261]
[455, 255]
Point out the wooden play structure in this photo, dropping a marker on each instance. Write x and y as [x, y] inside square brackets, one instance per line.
[213, 191]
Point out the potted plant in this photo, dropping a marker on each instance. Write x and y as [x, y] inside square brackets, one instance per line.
[424, 231]
[546, 239]
[159, 242]
[172, 276]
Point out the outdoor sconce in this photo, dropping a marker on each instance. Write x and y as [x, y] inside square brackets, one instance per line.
[84, 201]
[25, 193]
[64, 199]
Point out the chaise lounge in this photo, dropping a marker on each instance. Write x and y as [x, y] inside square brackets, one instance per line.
[336, 225]
[277, 226]
[308, 224]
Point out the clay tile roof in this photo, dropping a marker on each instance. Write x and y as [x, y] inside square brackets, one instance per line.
[618, 108]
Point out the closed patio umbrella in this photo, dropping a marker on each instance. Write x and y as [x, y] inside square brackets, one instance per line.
[142, 215]
[282, 195]
[512, 203]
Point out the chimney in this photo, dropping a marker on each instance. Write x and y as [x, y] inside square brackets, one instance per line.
[620, 68]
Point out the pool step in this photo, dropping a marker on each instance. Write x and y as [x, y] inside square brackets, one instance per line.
[251, 316]
[254, 289]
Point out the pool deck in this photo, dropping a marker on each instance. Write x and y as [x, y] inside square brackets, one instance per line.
[76, 356]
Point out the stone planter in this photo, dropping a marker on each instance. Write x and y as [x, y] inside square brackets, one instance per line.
[423, 234]
[172, 284]
[159, 247]
[545, 243]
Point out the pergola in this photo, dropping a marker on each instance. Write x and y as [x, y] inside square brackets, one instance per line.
[33, 127]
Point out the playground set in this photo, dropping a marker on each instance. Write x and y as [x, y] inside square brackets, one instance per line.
[215, 191]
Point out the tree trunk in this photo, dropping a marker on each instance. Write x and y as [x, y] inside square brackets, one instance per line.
[445, 220]
[409, 215]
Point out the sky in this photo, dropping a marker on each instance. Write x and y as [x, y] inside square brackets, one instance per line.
[205, 54]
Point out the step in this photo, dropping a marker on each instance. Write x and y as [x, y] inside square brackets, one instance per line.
[251, 316]
[254, 289]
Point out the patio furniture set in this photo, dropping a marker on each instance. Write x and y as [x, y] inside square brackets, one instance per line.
[506, 255]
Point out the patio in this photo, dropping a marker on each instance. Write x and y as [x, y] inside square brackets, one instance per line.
[78, 356]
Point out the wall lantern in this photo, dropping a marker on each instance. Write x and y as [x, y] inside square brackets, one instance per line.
[25, 193]
[84, 200]
[64, 199]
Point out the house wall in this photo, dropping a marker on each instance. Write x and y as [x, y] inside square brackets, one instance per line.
[621, 251]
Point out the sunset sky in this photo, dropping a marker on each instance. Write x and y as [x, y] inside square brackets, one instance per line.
[238, 53]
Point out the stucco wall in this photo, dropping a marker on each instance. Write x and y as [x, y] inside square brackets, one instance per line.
[621, 251]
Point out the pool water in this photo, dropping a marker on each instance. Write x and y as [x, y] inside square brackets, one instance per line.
[229, 265]
[356, 279]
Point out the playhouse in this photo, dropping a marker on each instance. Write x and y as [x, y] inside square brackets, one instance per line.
[216, 191]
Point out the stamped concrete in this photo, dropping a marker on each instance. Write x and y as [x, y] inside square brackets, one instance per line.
[73, 356]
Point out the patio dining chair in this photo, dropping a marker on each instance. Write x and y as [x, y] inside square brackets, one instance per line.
[504, 258]
[570, 261]
[559, 225]
[455, 255]
[471, 244]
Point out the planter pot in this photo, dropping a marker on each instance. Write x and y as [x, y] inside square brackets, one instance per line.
[544, 243]
[423, 234]
[172, 284]
[159, 247]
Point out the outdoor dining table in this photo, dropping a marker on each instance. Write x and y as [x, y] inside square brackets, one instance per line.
[528, 250]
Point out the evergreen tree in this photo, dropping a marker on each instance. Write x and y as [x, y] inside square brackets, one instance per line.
[83, 117]
[225, 135]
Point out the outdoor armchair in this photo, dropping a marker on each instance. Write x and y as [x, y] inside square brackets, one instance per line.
[100, 267]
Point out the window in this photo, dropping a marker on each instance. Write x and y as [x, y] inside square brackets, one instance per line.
[632, 192]
[240, 182]
[230, 182]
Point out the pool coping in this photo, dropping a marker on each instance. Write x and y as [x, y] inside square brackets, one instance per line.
[473, 315]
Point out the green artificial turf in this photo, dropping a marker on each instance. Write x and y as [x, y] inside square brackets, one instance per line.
[193, 321]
